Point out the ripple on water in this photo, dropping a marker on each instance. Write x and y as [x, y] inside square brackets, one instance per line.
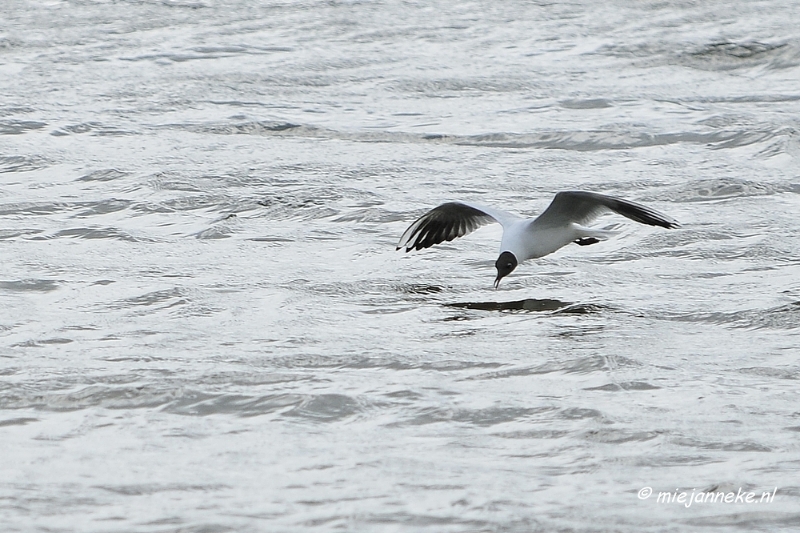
[26, 285]
[359, 362]
[779, 373]
[374, 215]
[580, 413]
[141, 489]
[534, 434]
[172, 296]
[21, 163]
[34, 208]
[624, 386]
[108, 174]
[727, 446]
[419, 288]
[752, 521]
[619, 436]
[8, 234]
[177, 302]
[724, 188]
[308, 204]
[582, 365]
[21, 421]
[572, 140]
[94, 128]
[198, 403]
[720, 55]
[18, 127]
[485, 417]
[83, 397]
[103, 207]
[730, 55]
[93, 233]
[177, 399]
[667, 460]
[325, 407]
[780, 317]
[11, 110]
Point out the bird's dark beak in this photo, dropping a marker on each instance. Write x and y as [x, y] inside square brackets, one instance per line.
[497, 281]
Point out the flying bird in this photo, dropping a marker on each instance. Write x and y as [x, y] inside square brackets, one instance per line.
[562, 223]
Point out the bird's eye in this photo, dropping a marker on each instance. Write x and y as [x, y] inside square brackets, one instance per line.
[508, 265]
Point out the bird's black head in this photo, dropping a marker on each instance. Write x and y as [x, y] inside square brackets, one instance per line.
[505, 264]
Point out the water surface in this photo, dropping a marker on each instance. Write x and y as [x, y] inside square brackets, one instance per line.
[205, 326]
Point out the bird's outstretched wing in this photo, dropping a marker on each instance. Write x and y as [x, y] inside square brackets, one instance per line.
[582, 207]
[448, 221]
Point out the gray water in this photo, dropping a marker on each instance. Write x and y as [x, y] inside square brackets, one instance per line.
[205, 326]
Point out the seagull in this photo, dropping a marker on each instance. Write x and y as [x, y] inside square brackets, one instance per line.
[562, 223]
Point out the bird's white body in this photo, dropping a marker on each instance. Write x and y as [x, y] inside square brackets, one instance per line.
[517, 241]
[517, 238]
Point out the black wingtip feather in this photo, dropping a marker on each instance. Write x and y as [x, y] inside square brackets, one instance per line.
[443, 223]
[642, 214]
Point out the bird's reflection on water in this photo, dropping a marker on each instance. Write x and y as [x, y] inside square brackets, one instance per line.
[529, 304]
[533, 304]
